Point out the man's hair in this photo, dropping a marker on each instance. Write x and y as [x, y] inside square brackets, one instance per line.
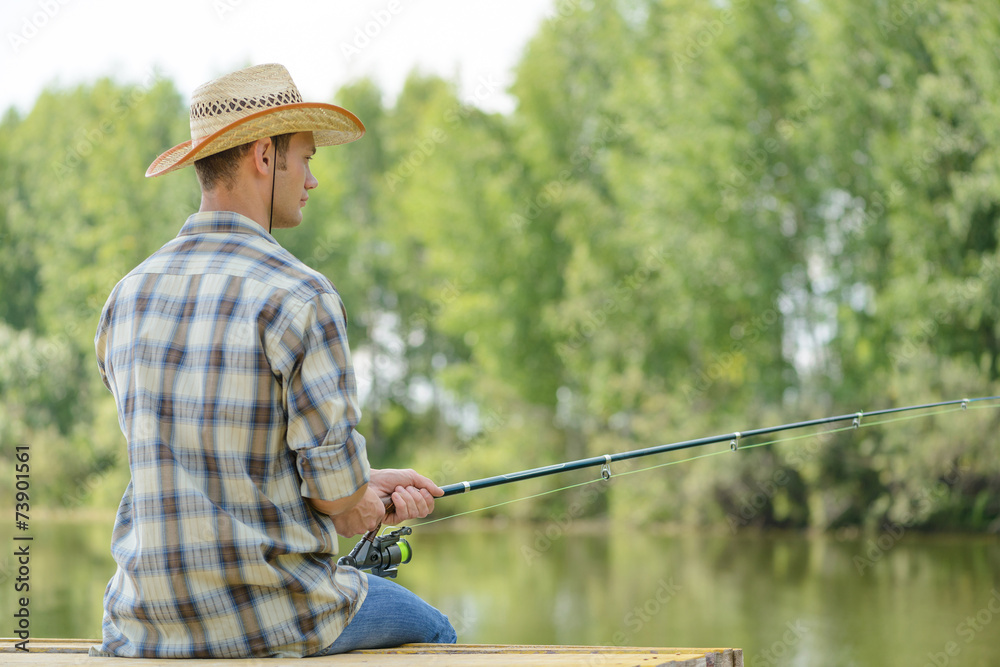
[220, 169]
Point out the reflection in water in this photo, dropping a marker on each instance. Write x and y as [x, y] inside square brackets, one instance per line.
[901, 599]
[785, 599]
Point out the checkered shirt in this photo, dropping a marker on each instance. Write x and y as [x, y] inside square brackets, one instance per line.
[229, 365]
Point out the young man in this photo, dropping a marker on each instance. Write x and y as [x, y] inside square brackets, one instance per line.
[229, 364]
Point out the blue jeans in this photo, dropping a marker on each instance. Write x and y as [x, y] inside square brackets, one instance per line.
[391, 615]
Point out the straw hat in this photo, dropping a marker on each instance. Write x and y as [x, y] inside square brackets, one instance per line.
[251, 104]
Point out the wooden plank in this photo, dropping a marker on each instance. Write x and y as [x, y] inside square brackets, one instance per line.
[73, 653]
[353, 660]
[715, 657]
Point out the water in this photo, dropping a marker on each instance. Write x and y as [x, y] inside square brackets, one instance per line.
[903, 599]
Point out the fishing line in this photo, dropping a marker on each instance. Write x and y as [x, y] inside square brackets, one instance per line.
[964, 404]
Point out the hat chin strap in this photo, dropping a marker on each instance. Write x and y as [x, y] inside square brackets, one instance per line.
[274, 173]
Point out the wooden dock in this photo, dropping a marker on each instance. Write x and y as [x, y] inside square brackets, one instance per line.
[73, 653]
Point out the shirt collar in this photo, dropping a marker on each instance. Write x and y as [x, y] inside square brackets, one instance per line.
[223, 222]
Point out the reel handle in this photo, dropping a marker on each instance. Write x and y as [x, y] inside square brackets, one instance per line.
[381, 554]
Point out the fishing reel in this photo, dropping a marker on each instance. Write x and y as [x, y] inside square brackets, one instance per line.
[382, 554]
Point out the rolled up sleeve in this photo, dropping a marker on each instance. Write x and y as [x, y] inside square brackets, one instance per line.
[322, 402]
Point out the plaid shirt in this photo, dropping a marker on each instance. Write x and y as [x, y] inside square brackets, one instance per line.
[229, 365]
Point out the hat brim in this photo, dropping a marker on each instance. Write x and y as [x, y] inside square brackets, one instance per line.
[331, 125]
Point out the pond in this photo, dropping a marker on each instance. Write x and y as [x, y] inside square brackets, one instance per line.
[787, 599]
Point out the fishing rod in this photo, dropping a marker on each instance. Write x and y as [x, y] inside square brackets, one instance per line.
[382, 554]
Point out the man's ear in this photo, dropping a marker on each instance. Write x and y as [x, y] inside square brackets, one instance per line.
[263, 156]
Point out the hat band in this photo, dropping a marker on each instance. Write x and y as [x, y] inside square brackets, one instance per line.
[213, 108]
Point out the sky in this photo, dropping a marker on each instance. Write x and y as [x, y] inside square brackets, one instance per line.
[323, 43]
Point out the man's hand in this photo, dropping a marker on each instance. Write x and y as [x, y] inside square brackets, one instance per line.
[411, 494]
[362, 517]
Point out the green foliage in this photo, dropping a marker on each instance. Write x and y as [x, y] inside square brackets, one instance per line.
[700, 218]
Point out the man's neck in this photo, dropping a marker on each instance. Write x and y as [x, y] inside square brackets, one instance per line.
[221, 199]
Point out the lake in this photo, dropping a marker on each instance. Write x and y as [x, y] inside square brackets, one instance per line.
[787, 599]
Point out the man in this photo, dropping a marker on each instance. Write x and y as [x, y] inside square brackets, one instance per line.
[229, 364]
